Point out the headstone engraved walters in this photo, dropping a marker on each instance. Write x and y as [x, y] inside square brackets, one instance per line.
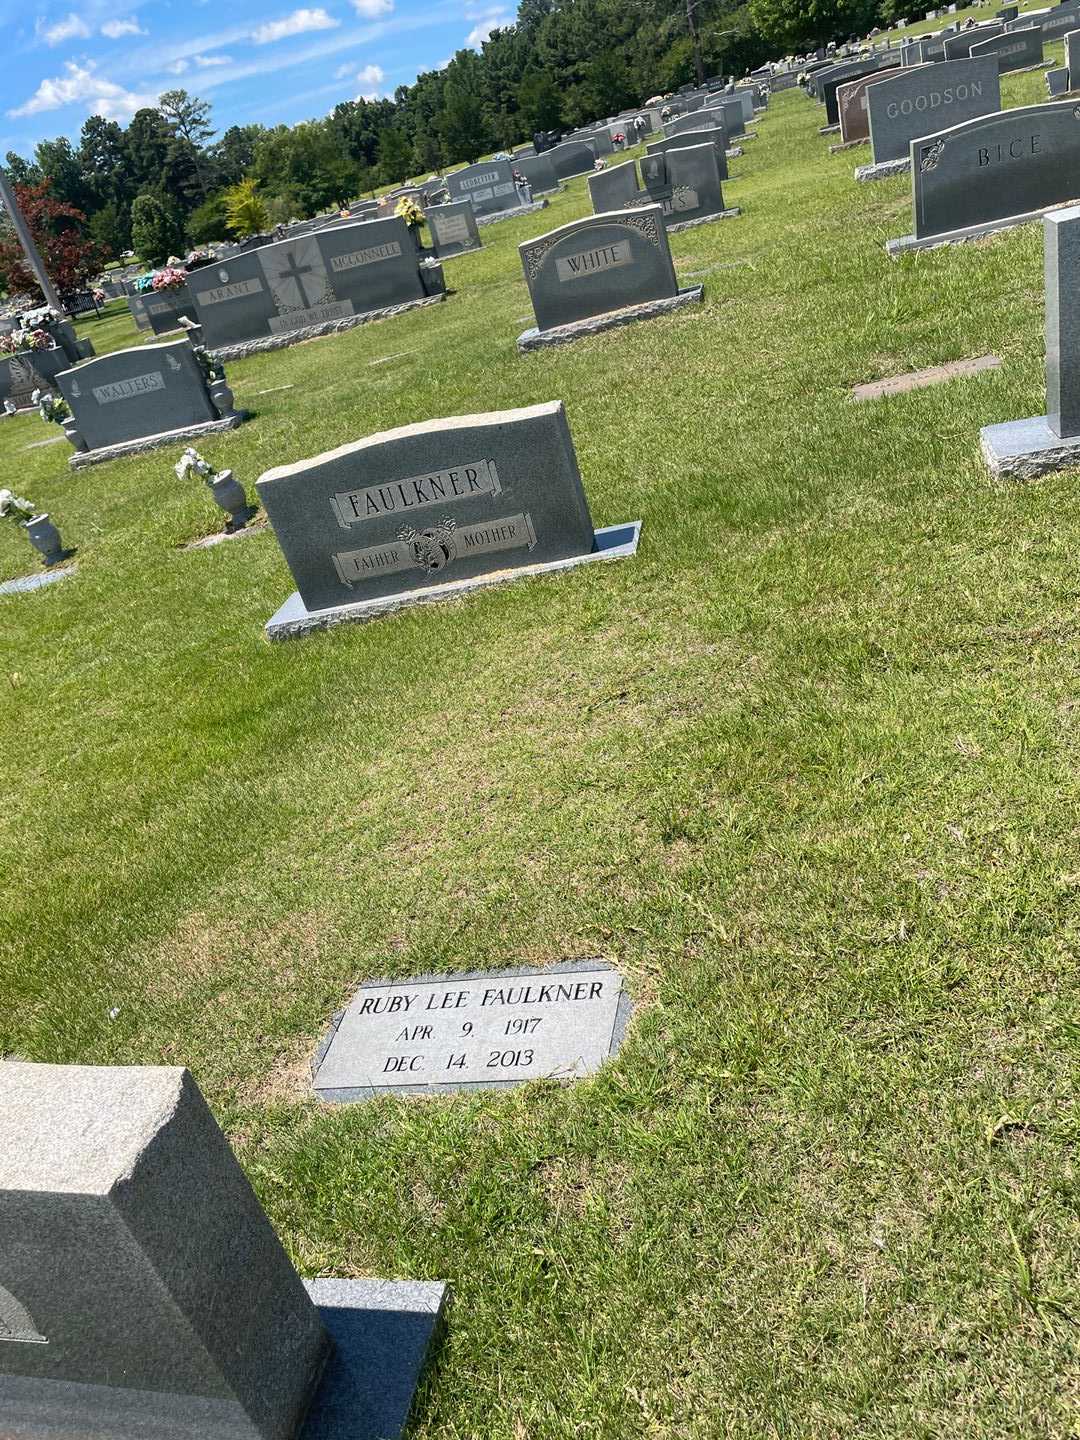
[598, 273]
[290, 290]
[921, 99]
[444, 1033]
[430, 511]
[144, 1294]
[993, 172]
[453, 228]
[1022, 449]
[141, 399]
[1014, 50]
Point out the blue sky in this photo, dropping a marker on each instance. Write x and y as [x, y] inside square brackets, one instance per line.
[254, 60]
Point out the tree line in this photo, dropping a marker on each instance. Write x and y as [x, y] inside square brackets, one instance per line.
[167, 182]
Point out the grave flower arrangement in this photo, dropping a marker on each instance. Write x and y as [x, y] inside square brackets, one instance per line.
[212, 367]
[410, 212]
[228, 493]
[14, 507]
[618, 138]
[40, 530]
[169, 279]
[53, 408]
[18, 340]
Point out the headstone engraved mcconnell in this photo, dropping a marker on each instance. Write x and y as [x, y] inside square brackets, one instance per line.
[1021, 449]
[144, 1294]
[920, 100]
[993, 172]
[473, 1031]
[141, 399]
[312, 285]
[430, 511]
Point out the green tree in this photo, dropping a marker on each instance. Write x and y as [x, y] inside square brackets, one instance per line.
[109, 229]
[395, 153]
[245, 210]
[22, 172]
[209, 221]
[797, 25]
[147, 143]
[155, 233]
[188, 120]
[540, 101]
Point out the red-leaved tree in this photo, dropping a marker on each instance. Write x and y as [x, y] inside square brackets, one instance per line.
[58, 230]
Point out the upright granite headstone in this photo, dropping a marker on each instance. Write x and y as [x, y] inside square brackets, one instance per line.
[685, 182]
[992, 172]
[715, 138]
[490, 186]
[614, 188]
[142, 398]
[539, 172]
[143, 1292]
[920, 99]
[328, 280]
[958, 47]
[1014, 50]
[1072, 57]
[453, 228]
[137, 306]
[164, 309]
[429, 510]
[571, 158]
[852, 108]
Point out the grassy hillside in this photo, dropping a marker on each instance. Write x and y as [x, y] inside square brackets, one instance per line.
[806, 770]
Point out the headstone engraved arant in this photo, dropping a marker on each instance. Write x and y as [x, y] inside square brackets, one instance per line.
[430, 511]
[1021, 449]
[141, 399]
[144, 1294]
[993, 172]
[617, 268]
[918, 101]
[453, 228]
[473, 1031]
[312, 285]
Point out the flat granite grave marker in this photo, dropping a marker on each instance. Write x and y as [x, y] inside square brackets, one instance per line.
[144, 1294]
[142, 399]
[453, 228]
[473, 1031]
[917, 100]
[992, 172]
[600, 272]
[1015, 50]
[430, 511]
[292, 290]
[1022, 449]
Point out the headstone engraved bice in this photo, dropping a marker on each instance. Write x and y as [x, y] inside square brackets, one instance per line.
[993, 172]
[1014, 50]
[600, 272]
[144, 1294]
[294, 289]
[431, 511]
[1022, 449]
[141, 399]
[473, 1032]
[919, 100]
[453, 228]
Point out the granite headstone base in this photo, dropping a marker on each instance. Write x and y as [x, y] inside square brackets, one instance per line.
[1024, 449]
[535, 339]
[313, 332]
[82, 458]
[384, 1332]
[848, 145]
[958, 237]
[514, 214]
[613, 542]
[731, 214]
[882, 169]
[25, 584]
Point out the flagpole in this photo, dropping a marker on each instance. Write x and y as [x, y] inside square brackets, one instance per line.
[26, 240]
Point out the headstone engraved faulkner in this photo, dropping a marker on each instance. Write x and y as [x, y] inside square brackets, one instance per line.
[293, 289]
[920, 100]
[144, 1294]
[474, 1032]
[1021, 449]
[993, 172]
[617, 268]
[142, 399]
[430, 511]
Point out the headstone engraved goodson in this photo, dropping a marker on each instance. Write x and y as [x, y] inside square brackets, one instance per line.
[474, 1031]
[994, 170]
[920, 99]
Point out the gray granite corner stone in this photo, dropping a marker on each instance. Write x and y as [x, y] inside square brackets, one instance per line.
[883, 169]
[731, 214]
[515, 214]
[1025, 449]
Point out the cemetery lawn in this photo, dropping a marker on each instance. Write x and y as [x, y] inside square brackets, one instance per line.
[807, 770]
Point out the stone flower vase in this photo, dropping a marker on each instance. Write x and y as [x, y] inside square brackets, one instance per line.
[45, 538]
[222, 398]
[229, 494]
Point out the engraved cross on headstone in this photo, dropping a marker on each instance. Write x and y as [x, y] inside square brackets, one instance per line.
[293, 271]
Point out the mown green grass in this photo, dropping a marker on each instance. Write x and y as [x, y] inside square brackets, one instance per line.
[805, 770]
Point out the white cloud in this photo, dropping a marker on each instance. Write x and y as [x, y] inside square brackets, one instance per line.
[372, 9]
[298, 23]
[79, 85]
[74, 27]
[342, 71]
[371, 75]
[178, 67]
[206, 62]
[117, 29]
[493, 17]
